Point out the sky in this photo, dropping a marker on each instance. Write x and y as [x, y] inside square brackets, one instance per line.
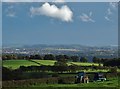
[85, 23]
[59, 0]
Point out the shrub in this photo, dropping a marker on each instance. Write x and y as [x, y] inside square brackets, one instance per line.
[29, 82]
[66, 80]
[52, 80]
[113, 70]
[55, 75]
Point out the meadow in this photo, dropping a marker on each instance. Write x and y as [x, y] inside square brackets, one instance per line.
[14, 64]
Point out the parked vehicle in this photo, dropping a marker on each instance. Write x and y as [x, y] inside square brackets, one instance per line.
[99, 77]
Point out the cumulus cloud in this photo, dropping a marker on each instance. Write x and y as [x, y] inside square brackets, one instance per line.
[86, 18]
[64, 13]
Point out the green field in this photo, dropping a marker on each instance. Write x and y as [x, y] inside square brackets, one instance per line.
[14, 64]
[111, 83]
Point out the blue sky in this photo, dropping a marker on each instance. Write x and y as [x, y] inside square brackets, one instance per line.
[94, 24]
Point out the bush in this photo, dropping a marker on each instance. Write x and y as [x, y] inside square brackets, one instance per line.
[29, 82]
[66, 80]
[52, 80]
[110, 75]
[113, 70]
[55, 75]
[8, 74]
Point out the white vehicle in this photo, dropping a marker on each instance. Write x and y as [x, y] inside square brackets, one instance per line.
[99, 77]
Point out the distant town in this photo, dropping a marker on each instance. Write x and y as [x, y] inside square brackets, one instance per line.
[79, 50]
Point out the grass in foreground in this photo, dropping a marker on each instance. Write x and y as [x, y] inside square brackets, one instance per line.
[112, 83]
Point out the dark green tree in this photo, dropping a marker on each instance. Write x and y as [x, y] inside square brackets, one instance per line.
[83, 59]
[37, 57]
[61, 58]
[75, 58]
[49, 57]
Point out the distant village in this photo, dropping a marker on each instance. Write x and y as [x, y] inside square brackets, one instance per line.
[102, 52]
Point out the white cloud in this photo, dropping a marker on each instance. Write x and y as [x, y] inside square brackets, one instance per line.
[107, 18]
[109, 12]
[11, 14]
[86, 18]
[90, 14]
[64, 13]
[113, 5]
[59, 1]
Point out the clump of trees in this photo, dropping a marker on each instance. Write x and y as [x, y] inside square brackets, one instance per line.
[112, 62]
[83, 59]
[49, 57]
[75, 58]
[99, 60]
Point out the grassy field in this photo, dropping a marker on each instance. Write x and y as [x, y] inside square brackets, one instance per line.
[83, 64]
[14, 64]
[111, 83]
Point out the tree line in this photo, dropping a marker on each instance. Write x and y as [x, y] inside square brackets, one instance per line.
[74, 58]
